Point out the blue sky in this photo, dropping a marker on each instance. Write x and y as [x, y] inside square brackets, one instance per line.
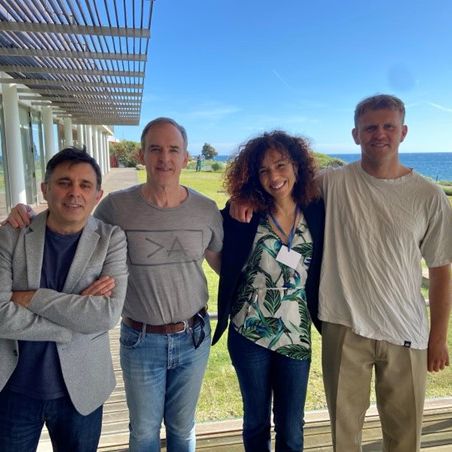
[228, 70]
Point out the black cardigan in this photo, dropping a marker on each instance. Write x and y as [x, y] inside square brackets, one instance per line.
[237, 244]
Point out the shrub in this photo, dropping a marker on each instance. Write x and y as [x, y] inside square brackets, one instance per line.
[125, 152]
[325, 161]
[216, 166]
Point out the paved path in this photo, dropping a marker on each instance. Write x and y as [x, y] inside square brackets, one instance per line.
[119, 178]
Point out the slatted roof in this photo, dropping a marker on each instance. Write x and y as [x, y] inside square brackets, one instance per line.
[87, 58]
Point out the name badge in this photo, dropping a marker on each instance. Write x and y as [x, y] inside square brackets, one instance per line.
[288, 257]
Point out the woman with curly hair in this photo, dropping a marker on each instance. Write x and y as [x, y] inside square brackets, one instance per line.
[269, 284]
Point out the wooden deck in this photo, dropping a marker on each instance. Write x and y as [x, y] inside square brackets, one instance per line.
[226, 436]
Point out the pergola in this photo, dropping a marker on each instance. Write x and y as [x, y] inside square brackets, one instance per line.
[85, 58]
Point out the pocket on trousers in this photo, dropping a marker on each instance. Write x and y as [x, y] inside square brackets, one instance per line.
[129, 337]
[205, 325]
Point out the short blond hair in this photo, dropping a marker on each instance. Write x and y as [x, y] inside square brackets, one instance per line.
[379, 102]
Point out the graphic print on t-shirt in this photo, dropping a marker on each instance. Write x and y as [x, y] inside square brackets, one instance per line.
[149, 248]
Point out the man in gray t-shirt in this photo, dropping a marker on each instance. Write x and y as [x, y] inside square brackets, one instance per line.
[165, 332]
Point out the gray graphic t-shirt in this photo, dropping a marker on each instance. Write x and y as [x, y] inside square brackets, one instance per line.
[166, 248]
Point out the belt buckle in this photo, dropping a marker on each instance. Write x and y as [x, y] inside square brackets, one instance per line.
[186, 326]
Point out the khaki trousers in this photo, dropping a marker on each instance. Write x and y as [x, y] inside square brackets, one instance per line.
[400, 374]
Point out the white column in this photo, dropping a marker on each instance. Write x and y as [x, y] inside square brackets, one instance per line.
[60, 136]
[107, 152]
[95, 144]
[80, 138]
[85, 136]
[47, 122]
[89, 140]
[96, 147]
[68, 138]
[102, 146]
[100, 151]
[102, 162]
[14, 145]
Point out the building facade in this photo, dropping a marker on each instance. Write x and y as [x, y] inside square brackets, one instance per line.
[69, 72]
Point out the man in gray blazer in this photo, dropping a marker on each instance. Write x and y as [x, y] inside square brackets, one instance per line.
[62, 287]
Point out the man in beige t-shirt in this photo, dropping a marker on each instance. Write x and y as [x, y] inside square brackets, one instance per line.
[381, 220]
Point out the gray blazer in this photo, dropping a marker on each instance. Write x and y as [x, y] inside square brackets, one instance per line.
[78, 324]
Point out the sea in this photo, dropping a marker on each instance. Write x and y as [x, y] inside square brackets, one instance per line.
[435, 165]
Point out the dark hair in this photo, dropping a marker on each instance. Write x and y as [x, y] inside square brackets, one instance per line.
[242, 174]
[379, 102]
[74, 156]
[164, 120]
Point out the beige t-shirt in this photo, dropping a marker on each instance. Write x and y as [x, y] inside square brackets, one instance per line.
[376, 232]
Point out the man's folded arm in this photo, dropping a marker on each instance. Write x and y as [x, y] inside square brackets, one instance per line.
[20, 324]
[17, 322]
[89, 313]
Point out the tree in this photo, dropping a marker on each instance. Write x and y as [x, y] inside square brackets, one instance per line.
[126, 152]
[208, 151]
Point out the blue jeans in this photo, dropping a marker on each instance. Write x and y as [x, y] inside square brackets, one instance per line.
[261, 374]
[162, 377]
[22, 419]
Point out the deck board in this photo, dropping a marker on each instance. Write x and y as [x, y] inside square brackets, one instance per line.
[225, 436]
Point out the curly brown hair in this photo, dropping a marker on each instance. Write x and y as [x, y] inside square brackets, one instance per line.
[241, 178]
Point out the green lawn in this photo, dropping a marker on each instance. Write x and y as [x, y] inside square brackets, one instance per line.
[207, 183]
[220, 395]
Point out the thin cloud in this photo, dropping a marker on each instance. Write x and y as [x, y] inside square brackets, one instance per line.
[282, 80]
[440, 107]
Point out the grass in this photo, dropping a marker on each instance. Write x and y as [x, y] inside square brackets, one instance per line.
[220, 395]
[207, 183]
[447, 190]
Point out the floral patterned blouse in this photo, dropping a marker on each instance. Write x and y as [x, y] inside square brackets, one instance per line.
[271, 308]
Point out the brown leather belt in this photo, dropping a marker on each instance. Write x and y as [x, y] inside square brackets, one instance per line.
[170, 328]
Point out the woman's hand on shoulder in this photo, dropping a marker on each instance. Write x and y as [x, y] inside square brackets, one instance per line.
[241, 210]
